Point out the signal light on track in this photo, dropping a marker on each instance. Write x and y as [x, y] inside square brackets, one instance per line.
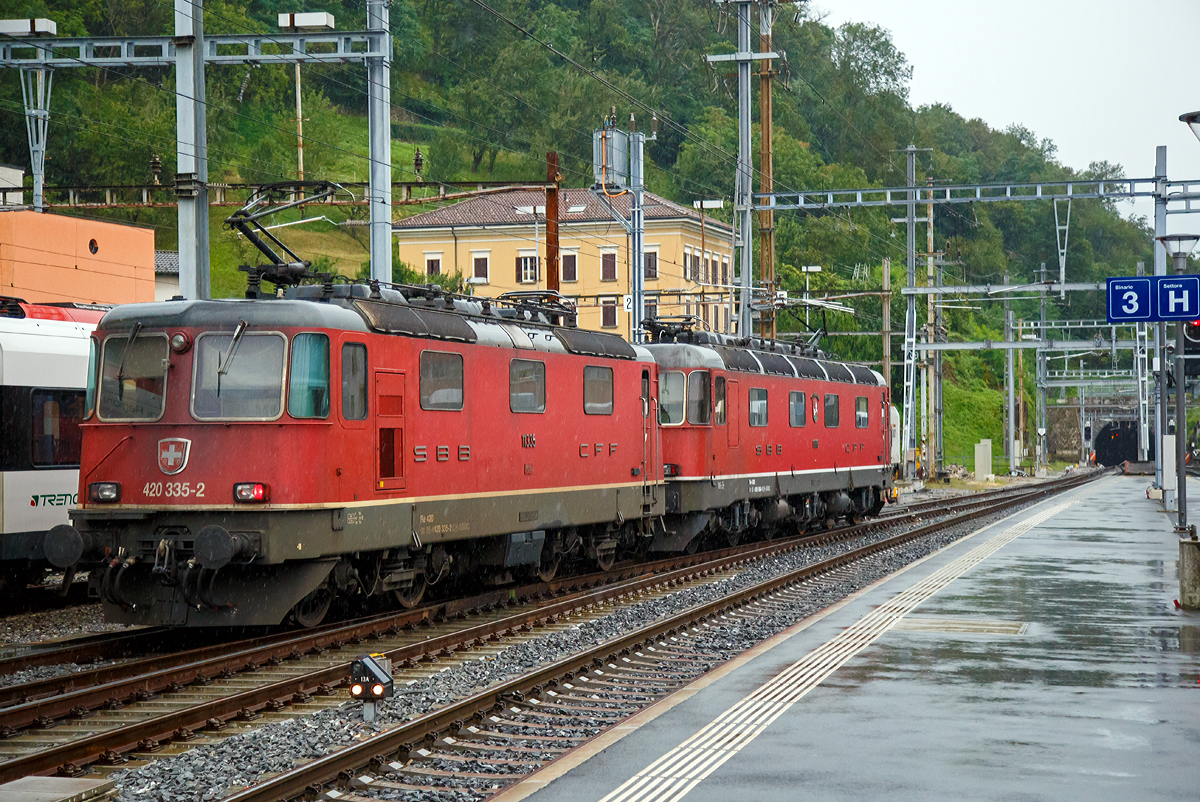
[373, 673]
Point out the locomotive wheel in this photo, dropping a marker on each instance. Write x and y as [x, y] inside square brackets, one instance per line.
[411, 596]
[605, 560]
[548, 568]
[312, 609]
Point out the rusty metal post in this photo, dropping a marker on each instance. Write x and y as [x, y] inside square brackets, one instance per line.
[552, 177]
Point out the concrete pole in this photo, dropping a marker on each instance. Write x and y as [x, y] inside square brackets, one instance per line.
[745, 168]
[766, 219]
[35, 87]
[191, 179]
[299, 129]
[1181, 429]
[379, 153]
[1160, 329]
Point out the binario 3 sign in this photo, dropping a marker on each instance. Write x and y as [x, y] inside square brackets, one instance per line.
[1152, 299]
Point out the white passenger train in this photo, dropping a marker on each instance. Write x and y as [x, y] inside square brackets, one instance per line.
[44, 350]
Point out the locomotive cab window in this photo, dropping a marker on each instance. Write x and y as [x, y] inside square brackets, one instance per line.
[862, 418]
[238, 375]
[89, 399]
[354, 381]
[699, 403]
[441, 380]
[719, 400]
[133, 379]
[55, 435]
[758, 407]
[526, 386]
[597, 390]
[831, 411]
[308, 386]
[796, 409]
[670, 398]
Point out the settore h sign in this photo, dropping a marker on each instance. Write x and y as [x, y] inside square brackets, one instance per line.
[1151, 299]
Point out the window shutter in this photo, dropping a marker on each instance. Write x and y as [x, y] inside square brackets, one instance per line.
[518, 270]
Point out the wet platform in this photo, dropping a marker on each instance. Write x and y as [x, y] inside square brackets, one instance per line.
[1042, 658]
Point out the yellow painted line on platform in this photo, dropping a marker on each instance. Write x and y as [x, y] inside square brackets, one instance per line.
[677, 772]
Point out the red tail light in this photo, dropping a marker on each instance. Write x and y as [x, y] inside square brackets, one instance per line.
[251, 492]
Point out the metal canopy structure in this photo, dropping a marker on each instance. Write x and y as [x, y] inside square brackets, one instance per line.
[188, 51]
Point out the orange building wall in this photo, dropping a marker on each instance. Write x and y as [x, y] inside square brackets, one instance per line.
[47, 258]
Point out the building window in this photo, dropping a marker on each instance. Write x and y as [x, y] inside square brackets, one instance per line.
[724, 271]
[862, 419]
[704, 314]
[796, 409]
[526, 386]
[354, 381]
[687, 263]
[433, 266]
[570, 267]
[527, 269]
[651, 309]
[704, 269]
[652, 265]
[480, 264]
[698, 266]
[608, 267]
[441, 380]
[758, 407]
[597, 390]
[699, 403]
[608, 314]
[832, 412]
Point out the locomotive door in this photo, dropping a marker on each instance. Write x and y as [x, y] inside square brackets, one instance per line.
[731, 420]
[389, 429]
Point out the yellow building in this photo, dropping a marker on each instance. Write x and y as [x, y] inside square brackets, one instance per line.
[498, 243]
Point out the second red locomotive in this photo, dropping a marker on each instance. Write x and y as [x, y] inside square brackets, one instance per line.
[250, 462]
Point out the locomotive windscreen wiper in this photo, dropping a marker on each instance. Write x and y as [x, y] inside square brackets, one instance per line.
[224, 362]
[133, 333]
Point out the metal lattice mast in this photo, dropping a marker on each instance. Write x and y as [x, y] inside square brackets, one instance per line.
[766, 222]
[743, 202]
[1042, 416]
[35, 89]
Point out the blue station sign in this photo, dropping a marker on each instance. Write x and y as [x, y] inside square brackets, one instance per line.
[1151, 299]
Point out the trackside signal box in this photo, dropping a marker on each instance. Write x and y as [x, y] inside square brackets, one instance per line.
[370, 681]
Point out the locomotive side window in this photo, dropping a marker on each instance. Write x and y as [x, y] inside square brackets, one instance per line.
[238, 376]
[796, 409]
[526, 386]
[832, 411]
[354, 381]
[598, 390]
[133, 379]
[308, 390]
[441, 380]
[719, 400]
[699, 403]
[861, 417]
[670, 398]
[758, 407]
[54, 435]
[89, 401]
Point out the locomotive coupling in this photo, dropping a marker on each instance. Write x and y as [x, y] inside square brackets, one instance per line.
[65, 545]
[216, 547]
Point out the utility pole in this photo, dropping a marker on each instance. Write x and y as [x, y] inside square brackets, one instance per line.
[743, 201]
[910, 320]
[1143, 379]
[939, 453]
[766, 221]
[379, 124]
[191, 177]
[552, 178]
[637, 186]
[1020, 445]
[1009, 391]
[35, 87]
[931, 430]
[887, 323]
[1043, 458]
[1160, 334]
[299, 130]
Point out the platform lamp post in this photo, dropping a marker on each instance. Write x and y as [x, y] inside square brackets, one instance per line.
[1180, 247]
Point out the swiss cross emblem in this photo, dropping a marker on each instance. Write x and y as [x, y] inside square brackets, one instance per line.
[173, 454]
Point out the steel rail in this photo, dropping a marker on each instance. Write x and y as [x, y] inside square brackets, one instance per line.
[313, 775]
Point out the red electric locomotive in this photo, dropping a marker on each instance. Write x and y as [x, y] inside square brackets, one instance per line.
[249, 462]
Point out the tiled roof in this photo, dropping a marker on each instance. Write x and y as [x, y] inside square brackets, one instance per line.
[166, 263]
[501, 209]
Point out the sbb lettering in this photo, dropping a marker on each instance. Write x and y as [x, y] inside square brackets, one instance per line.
[441, 453]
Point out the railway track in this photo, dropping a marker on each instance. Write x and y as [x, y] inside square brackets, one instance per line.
[165, 703]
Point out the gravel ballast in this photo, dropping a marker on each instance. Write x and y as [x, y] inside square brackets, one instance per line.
[209, 772]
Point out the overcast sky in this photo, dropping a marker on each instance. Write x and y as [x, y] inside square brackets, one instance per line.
[1104, 80]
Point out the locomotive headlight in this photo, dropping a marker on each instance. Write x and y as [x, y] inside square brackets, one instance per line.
[180, 342]
[251, 492]
[104, 492]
